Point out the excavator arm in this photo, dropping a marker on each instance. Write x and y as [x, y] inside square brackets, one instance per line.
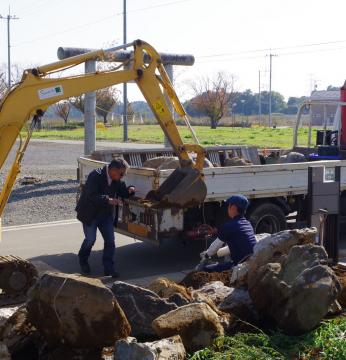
[37, 91]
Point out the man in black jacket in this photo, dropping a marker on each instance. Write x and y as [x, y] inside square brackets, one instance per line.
[95, 209]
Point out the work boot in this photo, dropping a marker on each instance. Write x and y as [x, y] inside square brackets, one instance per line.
[114, 274]
[84, 267]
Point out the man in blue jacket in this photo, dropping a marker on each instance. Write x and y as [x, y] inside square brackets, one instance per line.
[103, 191]
[237, 233]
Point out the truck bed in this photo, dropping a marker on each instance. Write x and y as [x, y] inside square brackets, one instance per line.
[253, 181]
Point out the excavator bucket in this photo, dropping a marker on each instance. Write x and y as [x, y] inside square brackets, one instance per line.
[183, 188]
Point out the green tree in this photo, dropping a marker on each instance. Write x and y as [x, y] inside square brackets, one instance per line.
[278, 102]
[333, 88]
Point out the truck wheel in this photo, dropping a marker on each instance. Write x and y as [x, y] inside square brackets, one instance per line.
[267, 218]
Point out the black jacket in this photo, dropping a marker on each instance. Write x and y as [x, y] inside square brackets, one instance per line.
[93, 201]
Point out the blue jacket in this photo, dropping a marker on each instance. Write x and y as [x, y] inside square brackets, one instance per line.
[93, 201]
[239, 235]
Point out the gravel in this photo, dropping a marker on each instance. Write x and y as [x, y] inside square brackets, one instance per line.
[53, 197]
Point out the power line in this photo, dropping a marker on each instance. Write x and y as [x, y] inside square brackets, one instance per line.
[159, 5]
[261, 55]
[97, 21]
[271, 49]
[67, 30]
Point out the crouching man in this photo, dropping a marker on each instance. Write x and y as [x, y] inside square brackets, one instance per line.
[237, 234]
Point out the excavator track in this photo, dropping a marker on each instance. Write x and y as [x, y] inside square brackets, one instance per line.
[16, 278]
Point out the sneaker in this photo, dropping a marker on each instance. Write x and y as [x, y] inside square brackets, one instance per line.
[84, 267]
[111, 273]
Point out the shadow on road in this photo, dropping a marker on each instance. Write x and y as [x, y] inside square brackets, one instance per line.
[133, 261]
[44, 189]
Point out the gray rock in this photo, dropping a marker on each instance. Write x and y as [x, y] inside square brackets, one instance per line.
[197, 325]
[215, 290]
[78, 311]
[236, 161]
[4, 354]
[270, 249]
[65, 352]
[17, 334]
[296, 292]
[292, 157]
[166, 288]
[168, 162]
[166, 349]
[141, 306]
[178, 299]
[7, 312]
[239, 303]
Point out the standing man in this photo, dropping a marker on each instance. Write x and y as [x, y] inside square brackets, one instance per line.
[237, 233]
[95, 209]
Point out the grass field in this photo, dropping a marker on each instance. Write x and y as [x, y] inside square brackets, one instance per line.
[259, 136]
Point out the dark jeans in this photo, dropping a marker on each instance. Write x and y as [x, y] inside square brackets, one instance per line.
[218, 267]
[105, 225]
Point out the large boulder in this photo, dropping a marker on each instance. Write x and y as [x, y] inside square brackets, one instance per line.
[197, 325]
[239, 303]
[165, 349]
[78, 311]
[18, 335]
[271, 249]
[178, 299]
[236, 161]
[7, 312]
[141, 306]
[215, 290]
[296, 292]
[292, 157]
[4, 353]
[340, 272]
[166, 288]
[65, 352]
[169, 162]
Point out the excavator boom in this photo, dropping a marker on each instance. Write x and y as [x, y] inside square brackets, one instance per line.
[37, 91]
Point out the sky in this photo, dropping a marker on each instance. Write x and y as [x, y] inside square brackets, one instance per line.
[234, 36]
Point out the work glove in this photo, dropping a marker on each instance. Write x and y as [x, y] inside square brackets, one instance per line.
[204, 255]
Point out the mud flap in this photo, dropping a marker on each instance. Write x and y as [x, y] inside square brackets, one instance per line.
[183, 188]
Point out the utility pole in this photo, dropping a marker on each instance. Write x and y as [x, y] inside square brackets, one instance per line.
[9, 17]
[125, 137]
[270, 89]
[259, 98]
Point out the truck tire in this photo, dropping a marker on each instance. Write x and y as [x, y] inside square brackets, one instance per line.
[267, 218]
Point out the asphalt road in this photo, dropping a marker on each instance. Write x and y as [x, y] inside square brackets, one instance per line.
[57, 244]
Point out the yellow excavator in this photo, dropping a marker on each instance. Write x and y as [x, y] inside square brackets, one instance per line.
[37, 90]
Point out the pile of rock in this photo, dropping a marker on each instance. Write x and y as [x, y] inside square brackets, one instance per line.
[285, 283]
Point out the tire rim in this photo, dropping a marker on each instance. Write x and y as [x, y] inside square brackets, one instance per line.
[267, 224]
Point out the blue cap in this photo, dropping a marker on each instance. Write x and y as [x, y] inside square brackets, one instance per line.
[240, 201]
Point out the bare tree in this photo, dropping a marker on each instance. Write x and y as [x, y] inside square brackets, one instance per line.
[3, 86]
[213, 96]
[78, 102]
[62, 109]
[130, 112]
[106, 100]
